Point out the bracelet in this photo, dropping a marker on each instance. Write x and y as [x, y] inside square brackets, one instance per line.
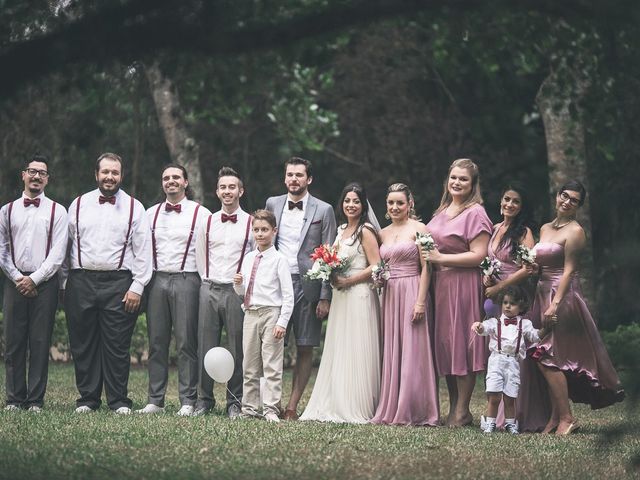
[419, 304]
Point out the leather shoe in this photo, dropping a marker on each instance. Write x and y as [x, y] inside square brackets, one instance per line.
[290, 414]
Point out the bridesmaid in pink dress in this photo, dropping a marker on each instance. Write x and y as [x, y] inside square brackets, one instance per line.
[573, 357]
[409, 394]
[461, 228]
[533, 406]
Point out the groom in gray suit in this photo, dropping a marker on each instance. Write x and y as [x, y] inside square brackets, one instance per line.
[304, 223]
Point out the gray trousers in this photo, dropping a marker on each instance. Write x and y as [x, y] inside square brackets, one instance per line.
[100, 335]
[219, 306]
[28, 324]
[173, 301]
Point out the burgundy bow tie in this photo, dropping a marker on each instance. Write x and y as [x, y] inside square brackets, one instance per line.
[293, 205]
[229, 218]
[510, 321]
[103, 199]
[173, 208]
[32, 201]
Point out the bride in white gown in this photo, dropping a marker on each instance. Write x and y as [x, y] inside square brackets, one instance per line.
[347, 386]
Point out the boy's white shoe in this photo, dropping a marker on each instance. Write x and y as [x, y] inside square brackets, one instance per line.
[122, 411]
[512, 428]
[271, 417]
[150, 408]
[84, 409]
[186, 411]
[483, 422]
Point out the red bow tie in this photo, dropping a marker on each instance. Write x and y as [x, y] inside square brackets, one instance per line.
[173, 208]
[229, 218]
[510, 321]
[32, 201]
[103, 199]
[293, 205]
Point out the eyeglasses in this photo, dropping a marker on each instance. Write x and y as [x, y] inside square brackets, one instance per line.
[32, 172]
[564, 197]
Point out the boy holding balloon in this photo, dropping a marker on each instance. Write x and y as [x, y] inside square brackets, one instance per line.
[265, 283]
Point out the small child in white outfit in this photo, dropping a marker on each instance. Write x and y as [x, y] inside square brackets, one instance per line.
[508, 337]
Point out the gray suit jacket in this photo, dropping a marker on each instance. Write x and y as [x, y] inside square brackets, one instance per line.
[319, 227]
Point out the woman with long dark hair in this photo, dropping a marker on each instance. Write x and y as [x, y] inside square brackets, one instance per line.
[348, 382]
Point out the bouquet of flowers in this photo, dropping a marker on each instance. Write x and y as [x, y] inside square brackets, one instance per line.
[425, 241]
[326, 261]
[491, 268]
[525, 255]
[380, 274]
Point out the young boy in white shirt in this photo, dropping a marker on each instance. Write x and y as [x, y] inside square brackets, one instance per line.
[265, 283]
[508, 337]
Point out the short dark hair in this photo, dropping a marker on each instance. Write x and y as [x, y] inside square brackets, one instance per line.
[188, 191]
[36, 158]
[111, 156]
[575, 186]
[299, 161]
[265, 215]
[229, 172]
[518, 294]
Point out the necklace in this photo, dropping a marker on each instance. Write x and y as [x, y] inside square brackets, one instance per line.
[555, 224]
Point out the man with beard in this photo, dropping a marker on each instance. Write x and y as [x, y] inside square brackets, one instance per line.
[33, 242]
[223, 241]
[173, 291]
[110, 262]
[304, 223]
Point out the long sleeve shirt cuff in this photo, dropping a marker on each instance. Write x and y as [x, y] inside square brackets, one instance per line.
[37, 277]
[136, 287]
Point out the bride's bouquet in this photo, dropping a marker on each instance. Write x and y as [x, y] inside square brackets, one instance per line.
[326, 261]
[380, 273]
[491, 267]
[425, 241]
[525, 255]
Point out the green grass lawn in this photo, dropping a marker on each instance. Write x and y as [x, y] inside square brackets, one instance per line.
[60, 444]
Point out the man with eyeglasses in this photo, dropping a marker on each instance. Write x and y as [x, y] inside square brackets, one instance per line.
[33, 242]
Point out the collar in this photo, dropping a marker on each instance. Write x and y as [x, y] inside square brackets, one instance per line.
[304, 200]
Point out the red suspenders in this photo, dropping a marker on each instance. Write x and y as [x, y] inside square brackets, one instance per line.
[519, 336]
[49, 233]
[244, 245]
[186, 250]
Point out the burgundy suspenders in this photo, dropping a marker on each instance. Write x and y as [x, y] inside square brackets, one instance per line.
[153, 237]
[193, 226]
[519, 336]
[49, 233]
[244, 244]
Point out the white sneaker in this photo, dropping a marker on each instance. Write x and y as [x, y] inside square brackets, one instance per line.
[35, 409]
[185, 411]
[84, 409]
[11, 408]
[151, 408]
[122, 411]
[490, 427]
[512, 428]
[271, 417]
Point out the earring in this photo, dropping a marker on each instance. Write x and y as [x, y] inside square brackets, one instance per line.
[387, 216]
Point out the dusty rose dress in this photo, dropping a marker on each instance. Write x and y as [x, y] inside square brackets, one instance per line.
[575, 345]
[533, 405]
[457, 294]
[409, 393]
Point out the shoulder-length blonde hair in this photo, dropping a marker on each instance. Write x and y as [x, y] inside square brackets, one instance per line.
[475, 197]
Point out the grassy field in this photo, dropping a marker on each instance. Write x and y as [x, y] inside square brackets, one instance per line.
[60, 444]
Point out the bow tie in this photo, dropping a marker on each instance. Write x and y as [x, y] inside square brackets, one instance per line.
[510, 321]
[293, 205]
[32, 201]
[103, 199]
[229, 218]
[173, 208]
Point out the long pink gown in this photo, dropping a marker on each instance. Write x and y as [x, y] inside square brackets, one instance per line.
[458, 294]
[533, 406]
[409, 393]
[574, 345]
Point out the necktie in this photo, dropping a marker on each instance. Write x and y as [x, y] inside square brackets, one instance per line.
[254, 269]
[229, 218]
[293, 205]
[32, 201]
[510, 321]
[103, 199]
[173, 208]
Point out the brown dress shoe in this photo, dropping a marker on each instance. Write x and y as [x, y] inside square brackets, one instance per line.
[290, 415]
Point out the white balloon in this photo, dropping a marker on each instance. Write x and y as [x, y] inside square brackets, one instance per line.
[218, 362]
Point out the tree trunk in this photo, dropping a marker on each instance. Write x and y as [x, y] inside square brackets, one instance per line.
[183, 148]
[558, 102]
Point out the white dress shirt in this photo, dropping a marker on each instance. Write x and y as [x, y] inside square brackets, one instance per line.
[509, 335]
[30, 232]
[272, 286]
[225, 246]
[172, 231]
[103, 230]
[289, 232]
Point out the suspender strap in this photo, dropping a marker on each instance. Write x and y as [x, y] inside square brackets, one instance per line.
[244, 245]
[13, 255]
[126, 240]
[206, 274]
[153, 237]
[519, 336]
[50, 235]
[518, 341]
[193, 226]
[78, 230]
[500, 335]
